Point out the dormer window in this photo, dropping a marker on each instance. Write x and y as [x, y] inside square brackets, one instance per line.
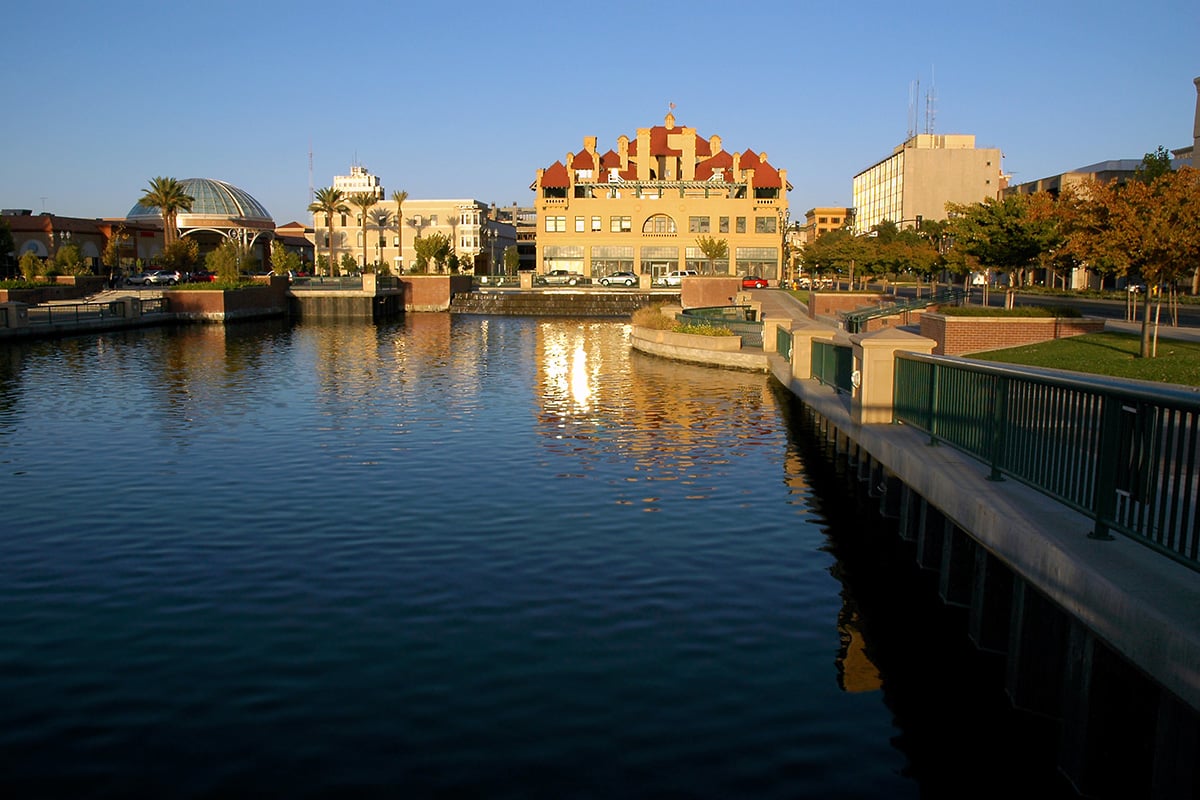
[583, 174]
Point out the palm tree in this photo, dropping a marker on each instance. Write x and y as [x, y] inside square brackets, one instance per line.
[398, 198]
[168, 196]
[381, 220]
[329, 202]
[363, 202]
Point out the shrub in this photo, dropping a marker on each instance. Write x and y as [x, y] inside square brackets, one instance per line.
[31, 265]
[703, 329]
[1019, 311]
[653, 318]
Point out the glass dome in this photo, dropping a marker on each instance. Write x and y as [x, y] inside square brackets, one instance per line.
[213, 198]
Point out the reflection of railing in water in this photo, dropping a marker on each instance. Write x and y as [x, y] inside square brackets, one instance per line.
[1126, 456]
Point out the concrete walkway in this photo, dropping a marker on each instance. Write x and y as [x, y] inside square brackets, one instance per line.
[1142, 604]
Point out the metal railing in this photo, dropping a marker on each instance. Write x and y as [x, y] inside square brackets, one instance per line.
[783, 343]
[1126, 456]
[342, 282]
[70, 313]
[857, 320]
[739, 319]
[833, 364]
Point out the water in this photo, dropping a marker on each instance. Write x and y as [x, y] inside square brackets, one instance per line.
[457, 557]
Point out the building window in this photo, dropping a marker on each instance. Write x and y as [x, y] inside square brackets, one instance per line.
[579, 225]
[343, 220]
[620, 224]
[764, 224]
[723, 224]
[659, 223]
[835, 220]
[433, 219]
[740, 225]
[596, 224]
[697, 224]
[556, 224]
[822, 220]
[395, 241]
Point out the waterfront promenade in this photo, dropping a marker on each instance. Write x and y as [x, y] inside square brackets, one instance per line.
[1116, 594]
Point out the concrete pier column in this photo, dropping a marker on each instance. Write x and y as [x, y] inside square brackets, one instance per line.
[957, 568]
[14, 315]
[931, 535]
[875, 366]
[526, 278]
[1036, 652]
[991, 603]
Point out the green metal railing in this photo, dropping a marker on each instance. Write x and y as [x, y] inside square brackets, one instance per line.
[739, 319]
[833, 364]
[783, 343]
[857, 320]
[62, 313]
[1126, 456]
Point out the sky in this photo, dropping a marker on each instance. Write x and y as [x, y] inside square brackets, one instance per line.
[465, 99]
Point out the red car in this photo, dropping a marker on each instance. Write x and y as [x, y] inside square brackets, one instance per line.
[753, 282]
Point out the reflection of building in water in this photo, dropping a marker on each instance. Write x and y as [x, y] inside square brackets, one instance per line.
[856, 672]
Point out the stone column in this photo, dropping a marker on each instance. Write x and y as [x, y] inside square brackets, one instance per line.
[14, 315]
[803, 334]
[875, 371]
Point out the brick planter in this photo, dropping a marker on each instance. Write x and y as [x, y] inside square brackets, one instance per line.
[217, 305]
[957, 336]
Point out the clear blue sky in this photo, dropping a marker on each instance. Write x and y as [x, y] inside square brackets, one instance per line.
[469, 99]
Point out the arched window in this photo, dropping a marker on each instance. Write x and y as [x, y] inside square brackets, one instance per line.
[659, 223]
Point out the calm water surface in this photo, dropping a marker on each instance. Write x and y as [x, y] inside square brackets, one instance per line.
[456, 557]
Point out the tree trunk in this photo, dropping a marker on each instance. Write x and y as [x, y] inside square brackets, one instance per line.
[1144, 352]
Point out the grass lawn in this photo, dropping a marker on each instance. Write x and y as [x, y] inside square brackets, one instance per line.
[1113, 354]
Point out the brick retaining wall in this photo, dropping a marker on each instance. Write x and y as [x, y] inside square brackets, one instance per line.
[957, 336]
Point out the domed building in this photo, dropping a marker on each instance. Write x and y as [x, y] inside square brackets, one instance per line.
[220, 211]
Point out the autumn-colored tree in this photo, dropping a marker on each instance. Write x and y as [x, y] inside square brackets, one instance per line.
[181, 254]
[1149, 230]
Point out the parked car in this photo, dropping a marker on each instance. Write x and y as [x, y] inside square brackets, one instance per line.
[676, 276]
[558, 277]
[753, 282]
[163, 278]
[152, 278]
[201, 276]
[626, 278]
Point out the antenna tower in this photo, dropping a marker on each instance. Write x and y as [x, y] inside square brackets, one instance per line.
[311, 194]
[930, 100]
[914, 92]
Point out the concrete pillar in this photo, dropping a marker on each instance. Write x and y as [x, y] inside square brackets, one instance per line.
[1036, 651]
[875, 371]
[526, 277]
[369, 282]
[14, 315]
[803, 334]
[770, 329]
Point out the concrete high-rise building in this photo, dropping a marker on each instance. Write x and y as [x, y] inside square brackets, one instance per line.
[921, 176]
[643, 206]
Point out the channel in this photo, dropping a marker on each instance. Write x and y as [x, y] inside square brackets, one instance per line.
[461, 556]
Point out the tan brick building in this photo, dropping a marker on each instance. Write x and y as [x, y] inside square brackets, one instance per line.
[642, 207]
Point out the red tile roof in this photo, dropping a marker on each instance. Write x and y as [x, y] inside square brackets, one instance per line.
[582, 160]
[720, 163]
[610, 159]
[556, 176]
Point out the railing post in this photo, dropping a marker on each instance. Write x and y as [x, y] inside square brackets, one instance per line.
[1105, 491]
[999, 416]
[933, 403]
